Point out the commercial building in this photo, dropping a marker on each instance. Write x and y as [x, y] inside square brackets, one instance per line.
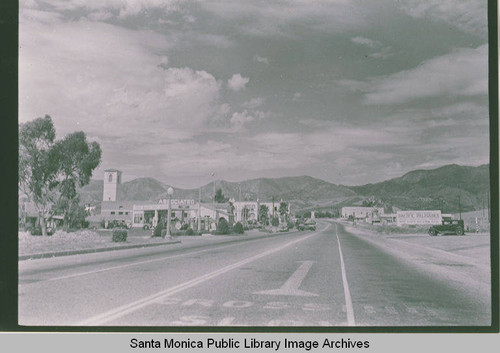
[248, 211]
[202, 216]
[361, 213]
[183, 211]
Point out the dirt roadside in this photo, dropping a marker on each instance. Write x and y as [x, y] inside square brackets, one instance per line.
[460, 261]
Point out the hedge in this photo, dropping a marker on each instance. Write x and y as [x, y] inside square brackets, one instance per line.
[119, 235]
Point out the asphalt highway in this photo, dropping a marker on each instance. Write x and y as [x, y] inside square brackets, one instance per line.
[330, 277]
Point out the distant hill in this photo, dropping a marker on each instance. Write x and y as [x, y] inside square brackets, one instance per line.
[91, 193]
[438, 188]
[141, 189]
[302, 191]
[420, 189]
[305, 190]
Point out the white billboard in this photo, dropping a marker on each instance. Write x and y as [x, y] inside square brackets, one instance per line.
[418, 217]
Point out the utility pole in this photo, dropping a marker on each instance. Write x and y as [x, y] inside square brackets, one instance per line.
[459, 207]
[488, 209]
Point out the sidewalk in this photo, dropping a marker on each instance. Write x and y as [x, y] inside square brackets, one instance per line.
[104, 247]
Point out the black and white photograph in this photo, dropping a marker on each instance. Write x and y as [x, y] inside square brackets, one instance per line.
[254, 163]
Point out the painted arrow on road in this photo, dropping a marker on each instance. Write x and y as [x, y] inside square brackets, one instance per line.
[291, 286]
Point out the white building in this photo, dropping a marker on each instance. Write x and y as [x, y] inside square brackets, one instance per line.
[249, 210]
[183, 211]
[361, 212]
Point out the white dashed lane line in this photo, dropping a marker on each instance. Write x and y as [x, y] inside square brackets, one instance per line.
[347, 293]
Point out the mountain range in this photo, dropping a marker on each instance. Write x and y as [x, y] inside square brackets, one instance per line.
[450, 188]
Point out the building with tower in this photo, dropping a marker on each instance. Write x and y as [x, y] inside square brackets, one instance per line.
[112, 178]
[185, 213]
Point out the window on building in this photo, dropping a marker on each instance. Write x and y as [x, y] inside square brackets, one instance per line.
[120, 207]
[126, 213]
[112, 212]
[110, 178]
[120, 213]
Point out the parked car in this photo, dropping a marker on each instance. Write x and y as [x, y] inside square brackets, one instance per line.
[307, 226]
[448, 227]
[118, 224]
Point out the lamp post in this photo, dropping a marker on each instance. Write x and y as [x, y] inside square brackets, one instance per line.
[199, 210]
[170, 192]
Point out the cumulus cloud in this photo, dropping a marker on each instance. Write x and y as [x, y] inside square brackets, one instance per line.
[237, 82]
[239, 119]
[129, 91]
[463, 72]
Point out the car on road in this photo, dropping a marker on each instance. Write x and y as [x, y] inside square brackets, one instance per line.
[448, 227]
[307, 226]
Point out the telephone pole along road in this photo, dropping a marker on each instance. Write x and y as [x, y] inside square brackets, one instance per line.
[335, 276]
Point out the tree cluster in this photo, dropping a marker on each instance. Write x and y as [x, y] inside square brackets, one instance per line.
[219, 197]
[50, 170]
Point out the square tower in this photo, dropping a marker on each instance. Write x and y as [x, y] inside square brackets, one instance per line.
[112, 178]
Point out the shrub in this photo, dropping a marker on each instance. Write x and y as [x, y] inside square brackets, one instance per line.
[189, 231]
[119, 235]
[222, 227]
[185, 226]
[163, 233]
[275, 222]
[38, 231]
[158, 230]
[103, 224]
[238, 228]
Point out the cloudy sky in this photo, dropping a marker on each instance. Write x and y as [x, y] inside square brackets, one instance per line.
[349, 91]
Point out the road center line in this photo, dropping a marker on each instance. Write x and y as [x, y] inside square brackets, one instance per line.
[136, 305]
[347, 293]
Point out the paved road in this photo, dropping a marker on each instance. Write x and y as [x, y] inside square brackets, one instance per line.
[330, 277]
